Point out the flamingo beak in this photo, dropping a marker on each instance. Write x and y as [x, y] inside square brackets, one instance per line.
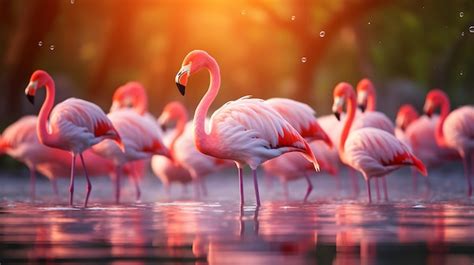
[338, 115]
[182, 78]
[30, 91]
[362, 107]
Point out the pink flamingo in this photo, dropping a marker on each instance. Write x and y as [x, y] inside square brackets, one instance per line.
[371, 151]
[140, 138]
[291, 166]
[454, 129]
[183, 148]
[367, 104]
[247, 130]
[73, 125]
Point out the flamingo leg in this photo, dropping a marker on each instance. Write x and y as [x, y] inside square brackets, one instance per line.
[118, 170]
[466, 163]
[71, 184]
[197, 189]
[32, 183]
[203, 186]
[89, 185]
[54, 186]
[137, 186]
[310, 188]
[285, 190]
[241, 186]
[385, 191]
[377, 188]
[338, 183]
[255, 185]
[414, 175]
[355, 185]
[367, 181]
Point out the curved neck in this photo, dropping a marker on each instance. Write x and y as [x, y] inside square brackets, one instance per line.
[439, 134]
[350, 109]
[180, 126]
[42, 126]
[200, 135]
[371, 101]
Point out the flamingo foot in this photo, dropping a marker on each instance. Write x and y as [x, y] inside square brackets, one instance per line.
[310, 188]
[255, 184]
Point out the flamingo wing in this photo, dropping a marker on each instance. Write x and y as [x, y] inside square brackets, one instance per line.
[376, 152]
[79, 124]
[250, 130]
[301, 117]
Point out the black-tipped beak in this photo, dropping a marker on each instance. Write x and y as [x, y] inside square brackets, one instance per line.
[31, 99]
[181, 88]
[362, 108]
[338, 116]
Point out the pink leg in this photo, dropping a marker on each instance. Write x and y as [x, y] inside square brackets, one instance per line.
[71, 184]
[255, 185]
[310, 188]
[137, 186]
[241, 187]
[377, 188]
[89, 185]
[203, 186]
[285, 190]
[32, 184]
[467, 172]
[385, 192]
[355, 185]
[118, 174]
[54, 186]
[414, 175]
[338, 183]
[367, 181]
[197, 189]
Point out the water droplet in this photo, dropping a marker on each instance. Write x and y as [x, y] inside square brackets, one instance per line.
[72, 2]
[243, 12]
[471, 29]
[368, 23]
[322, 33]
[51, 47]
[40, 43]
[303, 59]
[293, 17]
[461, 73]
[462, 33]
[461, 14]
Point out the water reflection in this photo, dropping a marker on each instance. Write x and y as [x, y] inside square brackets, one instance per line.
[215, 233]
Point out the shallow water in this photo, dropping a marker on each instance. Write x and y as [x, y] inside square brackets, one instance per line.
[337, 229]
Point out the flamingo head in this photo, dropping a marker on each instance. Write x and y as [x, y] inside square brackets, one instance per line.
[173, 111]
[342, 92]
[192, 63]
[364, 89]
[131, 95]
[406, 115]
[434, 99]
[38, 79]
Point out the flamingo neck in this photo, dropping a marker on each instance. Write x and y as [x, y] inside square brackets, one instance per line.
[180, 126]
[201, 137]
[371, 101]
[350, 109]
[439, 134]
[42, 127]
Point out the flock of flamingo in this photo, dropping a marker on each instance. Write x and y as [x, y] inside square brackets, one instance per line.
[281, 134]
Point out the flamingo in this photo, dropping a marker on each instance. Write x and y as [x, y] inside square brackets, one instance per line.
[73, 125]
[367, 104]
[246, 130]
[291, 166]
[139, 137]
[454, 129]
[183, 148]
[371, 151]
